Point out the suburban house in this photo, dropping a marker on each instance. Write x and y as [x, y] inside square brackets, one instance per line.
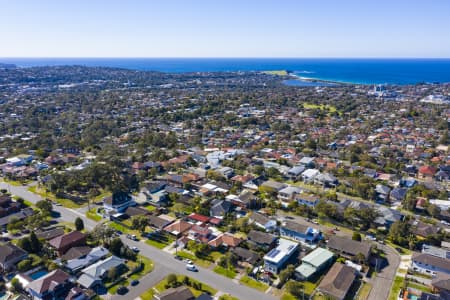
[225, 240]
[219, 208]
[178, 228]
[96, 273]
[326, 180]
[398, 194]
[77, 263]
[263, 221]
[307, 199]
[276, 258]
[337, 281]
[274, 185]
[436, 251]
[309, 175]
[387, 216]
[288, 194]
[295, 172]
[426, 173]
[158, 222]
[382, 193]
[50, 233]
[154, 193]
[246, 256]
[118, 201]
[299, 232]
[179, 293]
[349, 248]
[262, 240]
[54, 285]
[441, 285]
[313, 263]
[429, 264]
[10, 254]
[66, 241]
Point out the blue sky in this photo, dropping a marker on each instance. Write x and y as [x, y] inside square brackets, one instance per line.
[225, 28]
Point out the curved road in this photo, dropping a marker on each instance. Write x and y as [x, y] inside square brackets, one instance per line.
[164, 263]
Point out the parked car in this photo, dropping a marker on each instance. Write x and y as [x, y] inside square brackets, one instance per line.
[178, 257]
[188, 261]
[191, 267]
[134, 282]
[122, 290]
[135, 249]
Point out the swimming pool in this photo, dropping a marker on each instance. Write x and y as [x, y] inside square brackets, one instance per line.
[38, 274]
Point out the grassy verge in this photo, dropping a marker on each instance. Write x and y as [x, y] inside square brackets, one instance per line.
[364, 291]
[401, 250]
[250, 282]
[198, 261]
[396, 286]
[161, 286]
[156, 244]
[148, 267]
[225, 272]
[92, 214]
[227, 297]
[64, 202]
[113, 289]
[419, 287]
[287, 296]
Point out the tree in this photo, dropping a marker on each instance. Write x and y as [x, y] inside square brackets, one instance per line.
[35, 243]
[44, 205]
[286, 273]
[295, 288]
[16, 286]
[79, 224]
[172, 280]
[116, 246]
[25, 244]
[139, 222]
[112, 274]
[356, 236]
[24, 265]
[102, 233]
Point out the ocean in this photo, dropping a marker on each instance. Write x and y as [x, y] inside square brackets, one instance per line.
[361, 71]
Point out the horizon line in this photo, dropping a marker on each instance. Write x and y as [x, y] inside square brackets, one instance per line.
[213, 57]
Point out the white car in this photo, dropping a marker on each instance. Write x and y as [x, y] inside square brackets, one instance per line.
[188, 261]
[135, 249]
[191, 267]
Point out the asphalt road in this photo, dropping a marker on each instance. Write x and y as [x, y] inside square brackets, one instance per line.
[164, 263]
[382, 283]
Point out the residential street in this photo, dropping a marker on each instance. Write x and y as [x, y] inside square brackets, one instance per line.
[164, 262]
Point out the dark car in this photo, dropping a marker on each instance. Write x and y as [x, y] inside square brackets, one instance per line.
[134, 282]
[122, 290]
[178, 257]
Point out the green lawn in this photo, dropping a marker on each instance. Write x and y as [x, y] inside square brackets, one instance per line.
[149, 207]
[396, 286]
[113, 289]
[399, 249]
[364, 291]
[225, 272]
[64, 202]
[250, 282]
[148, 267]
[227, 297]
[156, 244]
[287, 296]
[198, 261]
[419, 287]
[92, 214]
[160, 287]
[330, 108]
